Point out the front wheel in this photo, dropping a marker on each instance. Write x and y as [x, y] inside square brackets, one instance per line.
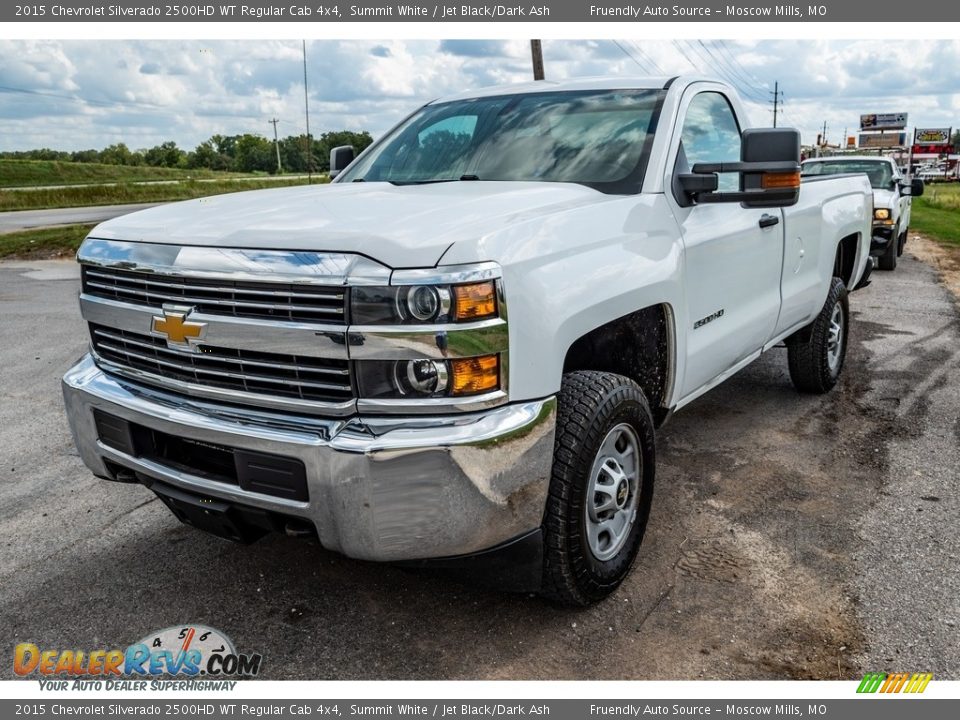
[902, 242]
[600, 489]
[816, 353]
[888, 261]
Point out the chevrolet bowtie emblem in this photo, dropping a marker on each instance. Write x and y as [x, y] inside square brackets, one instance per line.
[175, 327]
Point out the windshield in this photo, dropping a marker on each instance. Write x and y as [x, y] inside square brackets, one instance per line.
[879, 172]
[596, 138]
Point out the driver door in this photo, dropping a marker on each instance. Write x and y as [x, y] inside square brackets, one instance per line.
[733, 255]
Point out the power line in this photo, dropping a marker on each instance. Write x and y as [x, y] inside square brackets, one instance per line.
[685, 56]
[747, 91]
[74, 98]
[646, 56]
[629, 55]
[746, 73]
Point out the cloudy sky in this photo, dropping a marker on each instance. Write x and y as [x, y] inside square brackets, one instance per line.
[80, 94]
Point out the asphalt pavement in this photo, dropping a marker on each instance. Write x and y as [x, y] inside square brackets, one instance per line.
[791, 536]
[26, 219]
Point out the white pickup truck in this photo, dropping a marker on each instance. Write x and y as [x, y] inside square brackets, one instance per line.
[456, 354]
[892, 199]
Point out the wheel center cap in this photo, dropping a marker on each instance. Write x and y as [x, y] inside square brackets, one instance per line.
[622, 491]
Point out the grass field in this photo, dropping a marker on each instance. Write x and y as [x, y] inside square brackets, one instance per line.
[43, 242]
[119, 194]
[937, 213]
[23, 173]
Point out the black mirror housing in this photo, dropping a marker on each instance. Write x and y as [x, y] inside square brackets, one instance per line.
[915, 187]
[340, 158]
[769, 170]
[763, 146]
[693, 183]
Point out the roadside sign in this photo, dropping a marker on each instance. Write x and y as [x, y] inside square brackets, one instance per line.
[931, 136]
[882, 140]
[883, 121]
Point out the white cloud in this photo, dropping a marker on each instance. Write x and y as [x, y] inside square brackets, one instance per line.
[78, 94]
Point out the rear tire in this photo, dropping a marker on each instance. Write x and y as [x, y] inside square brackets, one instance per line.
[601, 487]
[815, 355]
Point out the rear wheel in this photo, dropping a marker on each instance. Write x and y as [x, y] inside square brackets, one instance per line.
[815, 355]
[601, 487]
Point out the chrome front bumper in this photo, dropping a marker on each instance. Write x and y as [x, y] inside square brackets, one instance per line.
[386, 489]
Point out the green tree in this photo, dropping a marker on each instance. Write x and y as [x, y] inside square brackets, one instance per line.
[85, 156]
[204, 156]
[165, 155]
[254, 153]
[118, 154]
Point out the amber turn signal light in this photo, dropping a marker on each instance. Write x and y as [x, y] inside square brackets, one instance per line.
[473, 302]
[475, 375]
[782, 180]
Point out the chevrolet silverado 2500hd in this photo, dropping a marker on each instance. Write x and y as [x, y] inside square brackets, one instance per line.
[456, 354]
[892, 199]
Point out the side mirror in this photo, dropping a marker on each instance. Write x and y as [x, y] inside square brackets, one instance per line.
[340, 158]
[769, 171]
[914, 189]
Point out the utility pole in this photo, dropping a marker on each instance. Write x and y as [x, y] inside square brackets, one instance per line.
[306, 110]
[276, 143]
[777, 99]
[536, 52]
[824, 136]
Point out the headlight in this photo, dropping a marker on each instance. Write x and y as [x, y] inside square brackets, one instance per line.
[413, 379]
[881, 214]
[423, 304]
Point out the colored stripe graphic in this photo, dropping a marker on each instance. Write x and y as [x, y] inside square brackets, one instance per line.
[912, 683]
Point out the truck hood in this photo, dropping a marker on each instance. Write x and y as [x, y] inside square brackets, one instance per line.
[400, 226]
[883, 199]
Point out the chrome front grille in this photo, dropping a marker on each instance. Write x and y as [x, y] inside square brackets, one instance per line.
[291, 302]
[261, 373]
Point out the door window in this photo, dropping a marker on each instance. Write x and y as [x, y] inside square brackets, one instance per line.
[710, 135]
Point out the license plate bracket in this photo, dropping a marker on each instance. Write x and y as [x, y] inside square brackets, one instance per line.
[213, 516]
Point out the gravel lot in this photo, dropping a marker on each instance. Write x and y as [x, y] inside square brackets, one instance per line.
[791, 537]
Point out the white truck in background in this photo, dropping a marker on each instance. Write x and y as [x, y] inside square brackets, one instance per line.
[892, 199]
[456, 354]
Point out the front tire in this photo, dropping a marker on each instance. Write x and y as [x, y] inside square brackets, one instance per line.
[816, 354]
[601, 487]
[902, 242]
[888, 261]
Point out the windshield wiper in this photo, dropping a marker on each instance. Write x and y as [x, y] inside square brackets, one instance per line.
[462, 178]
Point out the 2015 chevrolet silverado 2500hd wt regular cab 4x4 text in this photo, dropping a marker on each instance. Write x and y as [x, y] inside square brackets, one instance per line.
[892, 198]
[457, 352]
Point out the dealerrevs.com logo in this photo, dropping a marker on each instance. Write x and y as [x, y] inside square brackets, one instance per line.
[187, 651]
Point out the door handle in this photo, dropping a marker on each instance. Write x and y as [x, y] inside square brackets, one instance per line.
[768, 220]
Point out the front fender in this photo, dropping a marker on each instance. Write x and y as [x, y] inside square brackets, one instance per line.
[571, 272]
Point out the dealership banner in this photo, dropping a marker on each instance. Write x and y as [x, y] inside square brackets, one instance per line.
[313, 11]
[931, 136]
[214, 708]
